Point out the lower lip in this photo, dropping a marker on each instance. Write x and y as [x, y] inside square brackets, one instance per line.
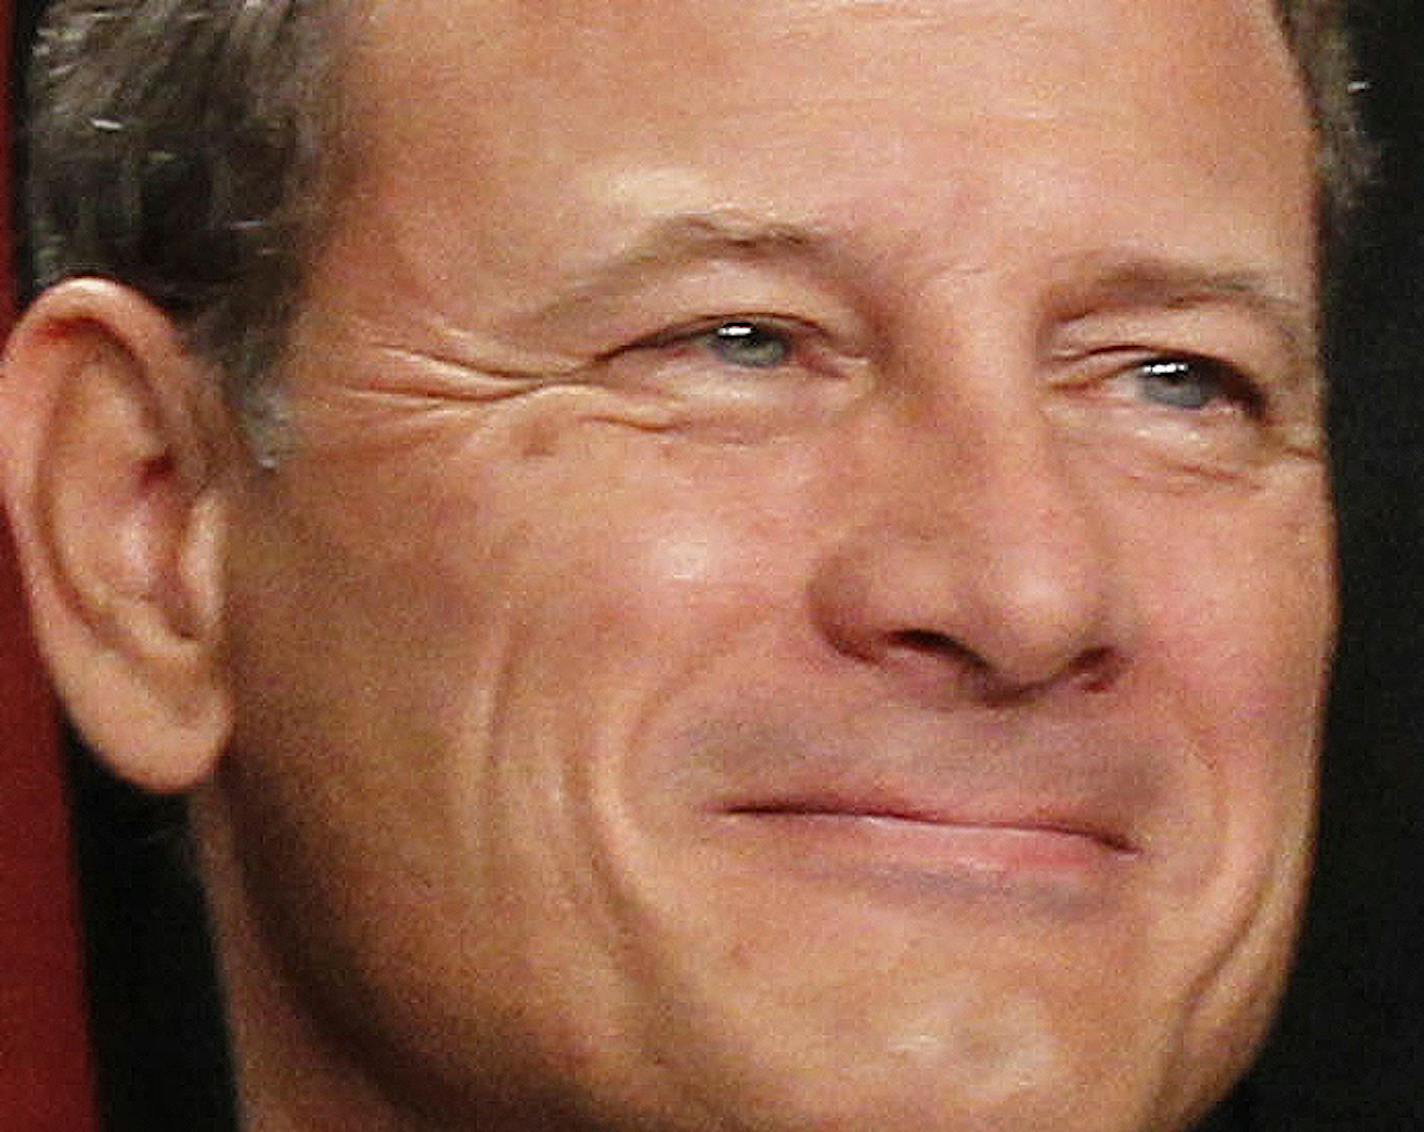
[979, 858]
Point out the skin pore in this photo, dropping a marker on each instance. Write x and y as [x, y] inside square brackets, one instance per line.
[802, 590]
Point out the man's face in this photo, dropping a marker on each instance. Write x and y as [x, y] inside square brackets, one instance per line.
[802, 594]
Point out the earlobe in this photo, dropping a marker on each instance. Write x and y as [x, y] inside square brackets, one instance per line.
[119, 521]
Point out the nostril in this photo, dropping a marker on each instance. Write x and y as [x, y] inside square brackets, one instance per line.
[941, 663]
[937, 646]
[1096, 669]
[927, 640]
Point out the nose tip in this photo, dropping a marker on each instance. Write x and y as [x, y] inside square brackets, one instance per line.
[987, 593]
[1038, 608]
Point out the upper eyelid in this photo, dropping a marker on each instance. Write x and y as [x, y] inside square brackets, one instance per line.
[1239, 388]
[1261, 396]
[795, 330]
[1135, 356]
[1232, 373]
[1262, 349]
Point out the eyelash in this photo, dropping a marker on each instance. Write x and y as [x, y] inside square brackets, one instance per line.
[1230, 383]
[730, 330]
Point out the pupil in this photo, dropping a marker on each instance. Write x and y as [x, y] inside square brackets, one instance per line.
[743, 344]
[1179, 385]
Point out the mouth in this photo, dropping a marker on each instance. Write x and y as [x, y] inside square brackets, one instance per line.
[1041, 849]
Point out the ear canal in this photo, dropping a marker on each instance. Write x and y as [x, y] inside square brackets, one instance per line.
[121, 539]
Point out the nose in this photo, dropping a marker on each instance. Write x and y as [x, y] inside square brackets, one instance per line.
[978, 564]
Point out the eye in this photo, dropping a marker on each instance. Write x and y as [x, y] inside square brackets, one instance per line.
[1194, 384]
[746, 344]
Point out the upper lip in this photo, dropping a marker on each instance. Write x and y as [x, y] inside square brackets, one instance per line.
[1107, 813]
[1123, 787]
[1093, 820]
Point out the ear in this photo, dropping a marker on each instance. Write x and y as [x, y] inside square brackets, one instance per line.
[108, 426]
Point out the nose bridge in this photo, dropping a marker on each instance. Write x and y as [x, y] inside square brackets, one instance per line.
[1001, 493]
[979, 540]
[1036, 567]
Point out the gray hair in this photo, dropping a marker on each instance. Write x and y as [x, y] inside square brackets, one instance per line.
[192, 149]
[189, 149]
[1318, 34]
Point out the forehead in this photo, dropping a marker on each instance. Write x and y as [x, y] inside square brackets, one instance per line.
[537, 132]
[697, 54]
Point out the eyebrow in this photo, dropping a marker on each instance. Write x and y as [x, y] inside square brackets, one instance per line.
[1093, 284]
[695, 233]
[688, 238]
[1164, 284]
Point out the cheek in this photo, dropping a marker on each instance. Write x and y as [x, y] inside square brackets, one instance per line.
[439, 673]
[1245, 613]
[643, 561]
[1239, 613]
[587, 537]
[504, 615]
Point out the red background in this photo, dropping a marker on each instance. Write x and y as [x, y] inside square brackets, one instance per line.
[45, 1070]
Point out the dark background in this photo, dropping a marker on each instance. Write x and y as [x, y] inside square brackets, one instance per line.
[1349, 1049]
[1348, 1053]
